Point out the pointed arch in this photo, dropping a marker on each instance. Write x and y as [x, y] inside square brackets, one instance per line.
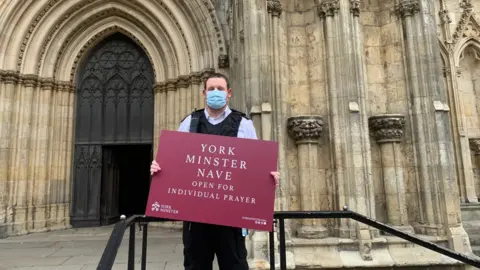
[187, 33]
[472, 41]
[63, 61]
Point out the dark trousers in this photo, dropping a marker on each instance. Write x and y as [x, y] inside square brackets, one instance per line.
[202, 241]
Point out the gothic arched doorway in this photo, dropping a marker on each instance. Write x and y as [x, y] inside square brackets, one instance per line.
[113, 133]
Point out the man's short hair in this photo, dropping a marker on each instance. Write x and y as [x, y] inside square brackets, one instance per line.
[216, 75]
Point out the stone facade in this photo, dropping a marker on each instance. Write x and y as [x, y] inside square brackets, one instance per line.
[374, 104]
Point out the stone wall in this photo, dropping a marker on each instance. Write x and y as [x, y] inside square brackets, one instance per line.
[374, 104]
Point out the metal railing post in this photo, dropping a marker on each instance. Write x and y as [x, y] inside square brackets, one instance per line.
[283, 252]
[131, 248]
[272, 247]
[144, 246]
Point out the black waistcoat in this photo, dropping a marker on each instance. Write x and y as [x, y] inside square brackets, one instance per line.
[228, 127]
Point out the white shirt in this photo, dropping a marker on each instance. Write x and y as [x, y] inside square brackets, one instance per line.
[245, 131]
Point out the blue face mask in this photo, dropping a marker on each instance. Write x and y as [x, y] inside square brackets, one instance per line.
[216, 99]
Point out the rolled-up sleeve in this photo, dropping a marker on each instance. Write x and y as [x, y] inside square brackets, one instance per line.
[247, 130]
[185, 125]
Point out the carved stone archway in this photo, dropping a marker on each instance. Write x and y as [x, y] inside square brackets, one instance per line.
[42, 45]
[114, 108]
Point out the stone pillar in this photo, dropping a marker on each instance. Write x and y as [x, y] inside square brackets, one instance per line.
[160, 119]
[306, 131]
[345, 65]
[7, 99]
[388, 131]
[183, 87]
[460, 138]
[431, 126]
[475, 150]
[264, 97]
[196, 87]
[171, 124]
[58, 179]
[274, 8]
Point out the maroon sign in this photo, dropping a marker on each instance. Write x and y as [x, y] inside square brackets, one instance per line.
[214, 179]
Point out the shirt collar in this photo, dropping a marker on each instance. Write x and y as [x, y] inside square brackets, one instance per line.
[226, 112]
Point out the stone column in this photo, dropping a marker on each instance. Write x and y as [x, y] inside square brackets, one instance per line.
[196, 91]
[431, 127]
[183, 87]
[306, 131]
[267, 99]
[460, 138]
[8, 81]
[160, 97]
[475, 150]
[171, 124]
[388, 131]
[348, 104]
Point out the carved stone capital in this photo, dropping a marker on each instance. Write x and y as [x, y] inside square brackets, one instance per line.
[355, 7]
[206, 72]
[223, 61]
[160, 87]
[387, 128]
[305, 128]
[475, 146]
[65, 86]
[183, 81]
[328, 8]
[408, 7]
[171, 85]
[47, 83]
[196, 78]
[10, 76]
[274, 7]
[29, 80]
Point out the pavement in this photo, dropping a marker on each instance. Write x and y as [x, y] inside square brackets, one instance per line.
[81, 249]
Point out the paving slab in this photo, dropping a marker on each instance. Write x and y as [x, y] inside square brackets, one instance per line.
[81, 249]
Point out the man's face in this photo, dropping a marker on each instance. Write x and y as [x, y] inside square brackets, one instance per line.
[219, 84]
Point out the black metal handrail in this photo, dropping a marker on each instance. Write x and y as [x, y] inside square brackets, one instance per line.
[108, 257]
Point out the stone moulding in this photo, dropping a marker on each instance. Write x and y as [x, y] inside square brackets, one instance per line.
[76, 7]
[462, 24]
[387, 127]
[93, 41]
[56, 26]
[305, 128]
[30, 80]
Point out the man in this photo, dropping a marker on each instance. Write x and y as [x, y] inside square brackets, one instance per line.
[202, 241]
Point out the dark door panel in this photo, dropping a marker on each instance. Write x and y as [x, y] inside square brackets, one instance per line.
[87, 180]
[115, 106]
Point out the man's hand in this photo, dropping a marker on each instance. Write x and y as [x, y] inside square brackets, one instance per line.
[276, 177]
[154, 167]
